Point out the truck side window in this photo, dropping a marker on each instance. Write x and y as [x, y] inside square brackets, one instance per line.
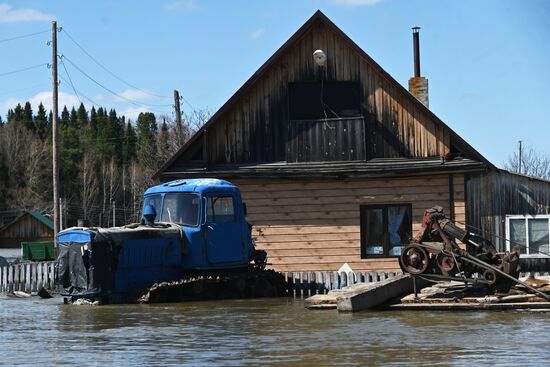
[220, 209]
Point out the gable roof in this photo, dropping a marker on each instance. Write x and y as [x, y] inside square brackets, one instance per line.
[317, 16]
[36, 215]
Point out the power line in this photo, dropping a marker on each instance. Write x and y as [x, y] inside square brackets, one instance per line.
[107, 70]
[70, 80]
[189, 104]
[82, 94]
[23, 36]
[24, 69]
[136, 103]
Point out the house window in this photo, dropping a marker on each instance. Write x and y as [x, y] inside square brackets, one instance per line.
[529, 232]
[385, 229]
[327, 99]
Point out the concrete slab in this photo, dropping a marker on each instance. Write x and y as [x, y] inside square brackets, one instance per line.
[363, 296]
[321, 301]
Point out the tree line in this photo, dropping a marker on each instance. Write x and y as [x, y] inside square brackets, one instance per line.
[106, 160]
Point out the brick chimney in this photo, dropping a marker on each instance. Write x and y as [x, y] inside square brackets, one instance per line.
[418, 85]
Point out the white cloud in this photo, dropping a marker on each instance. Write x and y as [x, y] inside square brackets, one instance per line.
[134, 95]
[257, 34]
[64, 99]
[185, 6]
[71, 100]
[8, 14]
[132, 113]
[354, 3]
[7, 104]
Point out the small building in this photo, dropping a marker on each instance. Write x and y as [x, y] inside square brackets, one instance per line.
[30, 226]
[338, 161]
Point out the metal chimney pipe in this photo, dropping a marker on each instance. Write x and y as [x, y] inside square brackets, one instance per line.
[416, 47]
[418, 85]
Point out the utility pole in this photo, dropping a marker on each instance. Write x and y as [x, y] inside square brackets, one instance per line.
[178, 116]
[55, 137]
[520, 157]
[60, 214]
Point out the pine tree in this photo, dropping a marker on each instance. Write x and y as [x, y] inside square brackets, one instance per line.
[82, 116]
[27, 117]
[65, 117]
[41, 122]
[70, 152]
[93, 120]
[117, 135]
[129, 148]
[73, 119]
[16, 115]
[147, 131]
[164, 144]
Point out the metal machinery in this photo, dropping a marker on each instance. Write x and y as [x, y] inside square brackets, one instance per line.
[434, 254]
[193, 243]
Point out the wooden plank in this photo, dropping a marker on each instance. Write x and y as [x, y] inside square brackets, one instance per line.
[17, 277]
[51, 273]
[350, 204]
[317, 259]
[4, 279]
[321, 252]
[312, 237]
[34, 277]
[275, 197]
[258, 218]
[281, 185]
[332, 267]
[10, 278]
[282, 230]
[426, 200]
[273, 245]
[27, 272]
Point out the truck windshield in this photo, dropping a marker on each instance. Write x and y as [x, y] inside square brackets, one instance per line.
[154, 201]
[181, 208]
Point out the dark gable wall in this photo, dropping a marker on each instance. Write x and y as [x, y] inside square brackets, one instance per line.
[256, 127]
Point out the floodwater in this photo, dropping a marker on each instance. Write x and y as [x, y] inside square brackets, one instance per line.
[264, 332]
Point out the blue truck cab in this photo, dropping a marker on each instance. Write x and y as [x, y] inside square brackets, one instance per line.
[212, 216]
[188, 227]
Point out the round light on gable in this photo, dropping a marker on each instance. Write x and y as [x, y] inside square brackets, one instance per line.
[320, 57]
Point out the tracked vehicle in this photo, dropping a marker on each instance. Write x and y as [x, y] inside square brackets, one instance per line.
[194, 242]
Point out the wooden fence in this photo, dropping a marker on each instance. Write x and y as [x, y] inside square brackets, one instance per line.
[30, 277]
[309, 283]
[27, 277]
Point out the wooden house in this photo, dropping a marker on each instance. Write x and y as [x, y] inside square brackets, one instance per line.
[31, 226]
[337, 163]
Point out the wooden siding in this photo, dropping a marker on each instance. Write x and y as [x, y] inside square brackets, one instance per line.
[326, 140]
[27, 228]
[314, 225]
[255, 127]
[492, 196]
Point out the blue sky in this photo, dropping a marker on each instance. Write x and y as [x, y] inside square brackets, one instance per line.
[488, 62]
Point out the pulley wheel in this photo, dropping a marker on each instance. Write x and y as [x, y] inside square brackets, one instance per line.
[445, 262]
[413, 259]
[489, 276]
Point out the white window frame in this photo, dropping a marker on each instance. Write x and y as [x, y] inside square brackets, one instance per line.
[526, 217]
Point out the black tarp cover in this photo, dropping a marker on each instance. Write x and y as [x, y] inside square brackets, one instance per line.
[87, 269]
